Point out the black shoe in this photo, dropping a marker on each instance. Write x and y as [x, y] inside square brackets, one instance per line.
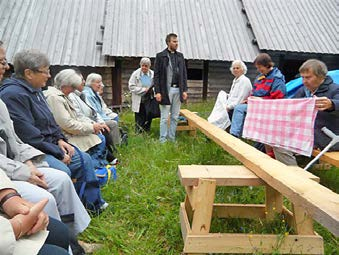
[75, 246]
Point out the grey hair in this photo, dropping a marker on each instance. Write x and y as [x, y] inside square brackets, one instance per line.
[92, 77]
[145, 61]
[67, 77]
[318, 67]
[242, 65]
[29, 59]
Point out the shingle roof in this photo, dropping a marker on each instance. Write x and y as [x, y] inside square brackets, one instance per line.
[295, 25]
[67, 30]
[207, 29]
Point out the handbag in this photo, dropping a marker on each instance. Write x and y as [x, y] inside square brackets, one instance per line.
[152, 106]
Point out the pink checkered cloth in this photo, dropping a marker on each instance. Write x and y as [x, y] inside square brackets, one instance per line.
[284, 123]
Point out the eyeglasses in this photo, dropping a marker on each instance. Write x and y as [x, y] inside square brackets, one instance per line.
[4, 62]
[47, 72]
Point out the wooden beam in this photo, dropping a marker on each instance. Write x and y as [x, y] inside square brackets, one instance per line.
[223, 175]
[185, 225]
[319, 202]
[202, 212]
[247, 211]
[274, 202]
[205, 80]
[253, 244]
[303, 223]
[329, 157]
[116, 83]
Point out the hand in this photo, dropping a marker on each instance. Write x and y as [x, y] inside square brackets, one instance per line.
[32, 222]
[184, 95]
[66, 159]
[146, 90]
[16, 205]
[323, 103]
[158, 97]
[105, 127]
[37, 178]
[97, 128]
[66, 147]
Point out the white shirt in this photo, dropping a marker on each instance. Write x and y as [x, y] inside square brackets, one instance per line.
[240, 90]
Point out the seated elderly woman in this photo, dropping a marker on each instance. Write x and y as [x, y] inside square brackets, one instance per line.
[139, 85]
[33, 178]
[241, 88]
[23, 224]
[317, 84]
[93, 85]
[87, 113]
[81, 132]
[34, 122]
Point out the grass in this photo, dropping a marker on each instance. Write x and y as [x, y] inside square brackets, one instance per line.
[142, 217]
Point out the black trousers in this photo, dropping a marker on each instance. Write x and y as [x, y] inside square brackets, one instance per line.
[57, 241]
[142, 121]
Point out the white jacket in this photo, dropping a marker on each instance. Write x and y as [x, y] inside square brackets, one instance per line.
[136, 88]
[240, 90]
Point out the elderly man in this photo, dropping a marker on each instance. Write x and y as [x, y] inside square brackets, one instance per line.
[139, 85]
[317, 84]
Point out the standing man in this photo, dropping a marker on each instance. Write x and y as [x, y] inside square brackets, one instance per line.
[170, 83]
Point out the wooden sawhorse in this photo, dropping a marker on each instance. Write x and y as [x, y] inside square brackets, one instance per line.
[198, 209]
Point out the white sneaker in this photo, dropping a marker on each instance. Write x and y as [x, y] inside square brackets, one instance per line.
[104, 206]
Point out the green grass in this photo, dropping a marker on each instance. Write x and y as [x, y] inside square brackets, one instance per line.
[143, 215]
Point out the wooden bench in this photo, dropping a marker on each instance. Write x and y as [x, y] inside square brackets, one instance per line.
[308, 197]
[198, 209]
[329, 157]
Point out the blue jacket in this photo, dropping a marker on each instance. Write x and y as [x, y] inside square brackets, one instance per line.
[93, 100]
[270, 86]
[328, 118]
[32, 119]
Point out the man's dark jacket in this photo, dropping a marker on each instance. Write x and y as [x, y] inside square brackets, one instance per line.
[160, 75]
[328, 118]
[33, 121]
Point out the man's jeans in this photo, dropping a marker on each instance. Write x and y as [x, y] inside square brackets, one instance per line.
[174, 109]
[238, 120]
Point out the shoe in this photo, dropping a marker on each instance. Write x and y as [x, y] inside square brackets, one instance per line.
[104, 206]
[114, 162]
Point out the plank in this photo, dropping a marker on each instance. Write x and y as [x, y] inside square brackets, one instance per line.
[320, 203]
[253, 244]
[329, 157]
[246, 211]
[227, 175]
[223, 175]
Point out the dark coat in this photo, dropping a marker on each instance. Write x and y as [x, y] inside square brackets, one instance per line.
[328, 118]
[33, 121]
[160, 76]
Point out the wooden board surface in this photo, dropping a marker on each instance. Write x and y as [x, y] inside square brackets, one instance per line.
[320, 202]
[227, 175]
[329, 157]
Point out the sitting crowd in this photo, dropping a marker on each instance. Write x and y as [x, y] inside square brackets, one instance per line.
[51, 143]
[230, 109]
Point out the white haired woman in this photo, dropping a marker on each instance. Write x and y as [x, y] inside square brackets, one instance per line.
[92, 86]
[241, 88]
[139, 85]
[81, 132]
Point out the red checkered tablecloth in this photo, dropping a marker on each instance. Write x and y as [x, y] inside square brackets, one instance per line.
[285, 123]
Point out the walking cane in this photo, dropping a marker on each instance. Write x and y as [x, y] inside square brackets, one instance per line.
[335, 139]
